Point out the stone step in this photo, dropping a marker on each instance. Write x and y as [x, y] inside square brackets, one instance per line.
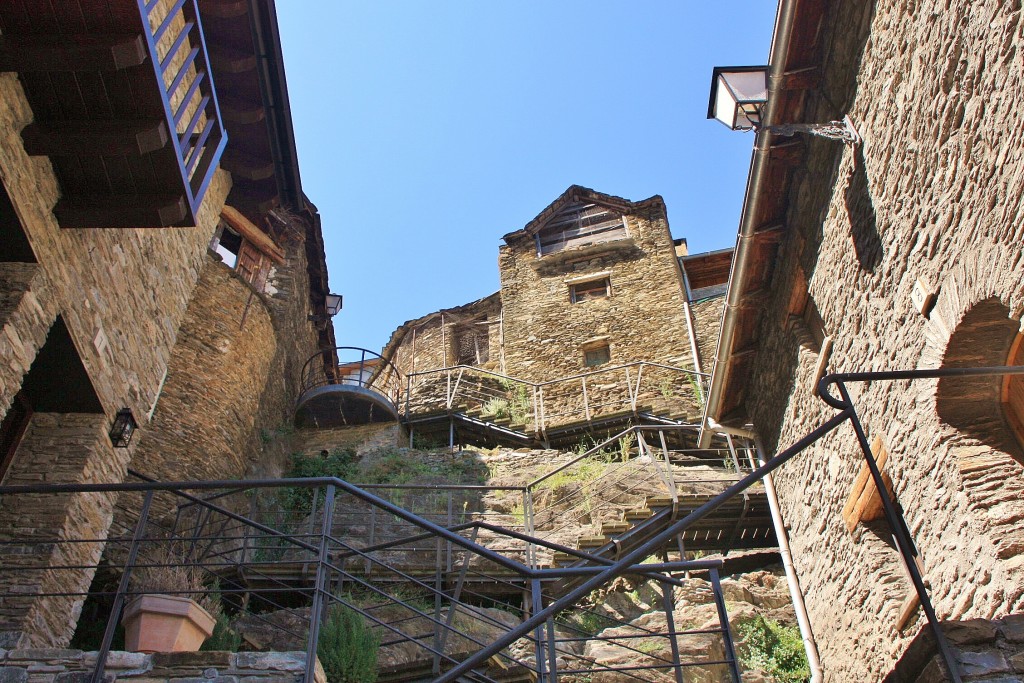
[637, 513]
[612, 528]
[659, 501]
[591, 542]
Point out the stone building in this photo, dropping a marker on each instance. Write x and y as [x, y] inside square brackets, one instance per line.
[593, 287]
[158, 258]
[901, 252]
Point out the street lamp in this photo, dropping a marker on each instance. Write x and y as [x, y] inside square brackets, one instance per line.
[332, 306]
[739, 95]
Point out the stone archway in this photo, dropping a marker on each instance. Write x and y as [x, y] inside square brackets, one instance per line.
[976, 406]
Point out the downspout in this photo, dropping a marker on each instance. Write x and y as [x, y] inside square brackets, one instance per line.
[803, 621]
[799, 607]
[748, 225]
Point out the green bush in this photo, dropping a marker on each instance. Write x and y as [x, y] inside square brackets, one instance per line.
[224, 638]
[775, 649]
[347, 647]
[340, 463]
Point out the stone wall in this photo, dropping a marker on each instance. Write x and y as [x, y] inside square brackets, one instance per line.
[296, 340]
[934, 193]
[218, 368]
[642, 319]
[27, 311]
[74, 666]
[122, 292]
[986, 649]
[57, 449]
[707, 323]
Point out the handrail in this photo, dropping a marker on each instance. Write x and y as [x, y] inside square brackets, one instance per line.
[330, 567]
[540, 405]
[327, 367]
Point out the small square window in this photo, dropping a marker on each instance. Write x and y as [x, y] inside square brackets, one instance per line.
[594, 289]
[598, 355]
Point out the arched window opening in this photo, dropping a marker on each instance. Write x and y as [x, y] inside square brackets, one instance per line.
[987, 409]
[1013, 391]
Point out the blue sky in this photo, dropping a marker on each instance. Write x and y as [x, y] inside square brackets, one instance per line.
[427, 130]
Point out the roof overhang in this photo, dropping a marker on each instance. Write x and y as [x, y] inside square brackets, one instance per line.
[794, 70]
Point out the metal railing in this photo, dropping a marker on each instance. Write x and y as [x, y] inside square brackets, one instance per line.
[425, 623]
[537, 406]
[177, 48]
[219, 548]
[352, 366]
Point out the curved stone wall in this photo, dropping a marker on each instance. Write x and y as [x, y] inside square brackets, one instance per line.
[218, 369]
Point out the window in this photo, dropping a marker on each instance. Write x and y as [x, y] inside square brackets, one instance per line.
[470, 343]
[244, 248]
[596, 355]
[227, 243]
[594, 289]
[579, 225]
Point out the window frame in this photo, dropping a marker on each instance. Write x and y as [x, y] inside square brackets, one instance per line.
[588, 288]
[596, 348]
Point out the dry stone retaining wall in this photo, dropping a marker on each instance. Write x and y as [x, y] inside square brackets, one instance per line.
[74, 666]
[216, 374]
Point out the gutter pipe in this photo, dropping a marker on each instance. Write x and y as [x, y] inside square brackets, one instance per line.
[799, 607]
[744, 248]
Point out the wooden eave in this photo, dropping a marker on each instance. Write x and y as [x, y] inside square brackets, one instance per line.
[576, 194]
[769, 213]
[101, 113]
[707, 269]
[245, 54]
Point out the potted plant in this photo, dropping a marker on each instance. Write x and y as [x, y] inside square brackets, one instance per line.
[171, 621]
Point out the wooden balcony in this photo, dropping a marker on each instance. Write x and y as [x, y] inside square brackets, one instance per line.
[124, 106]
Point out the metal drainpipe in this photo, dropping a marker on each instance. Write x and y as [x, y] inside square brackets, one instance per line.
[802, 620]
[748, 225]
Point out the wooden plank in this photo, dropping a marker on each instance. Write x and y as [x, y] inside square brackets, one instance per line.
[66, 53]
[259, 239]
[94, 137]
[859, 485]
[120, 211]
[246, 165]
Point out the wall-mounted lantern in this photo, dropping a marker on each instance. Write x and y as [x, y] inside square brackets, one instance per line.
[739, 95]
[123, 428]
[332, 306]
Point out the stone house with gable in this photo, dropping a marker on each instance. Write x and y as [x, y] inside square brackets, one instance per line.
[593, 286]
[157, 257]
[901, 252]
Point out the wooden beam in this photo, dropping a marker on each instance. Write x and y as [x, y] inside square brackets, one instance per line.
[71, 52]
[807, 78]
[231, 61]
[94, 137]
[235, 110]
[865, 503]
[259, 239]
[246, 165]
[788, 153]
[121, 211]
[223, 9]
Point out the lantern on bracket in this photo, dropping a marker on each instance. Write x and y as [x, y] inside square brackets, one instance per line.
[739, 95]
[123, 428]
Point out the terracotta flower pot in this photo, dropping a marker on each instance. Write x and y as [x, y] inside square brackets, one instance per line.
[165, 623]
